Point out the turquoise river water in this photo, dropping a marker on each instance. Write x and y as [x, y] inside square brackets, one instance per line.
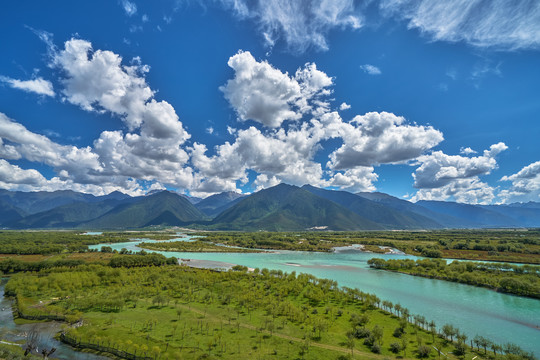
[500, 317]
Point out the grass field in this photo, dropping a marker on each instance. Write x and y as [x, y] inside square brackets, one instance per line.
[172, 312]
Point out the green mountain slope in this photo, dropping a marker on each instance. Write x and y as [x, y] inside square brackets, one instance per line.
[66, 216]
[286, 208]
[38, 201]
[470, 215]
[9, 213]
[163, 208]
[401, 205]
[371, 210]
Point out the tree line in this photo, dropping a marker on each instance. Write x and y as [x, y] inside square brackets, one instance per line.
[523, 280]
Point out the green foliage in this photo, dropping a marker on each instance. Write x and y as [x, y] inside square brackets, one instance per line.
[56, 242]
[188, 313]
[521, 246]
[141, 260]
[13, 265]
[424, 351]
[521, 280]
[460, 348]
[15, 353]
[189, 308]
[395, 347]
[192, 246]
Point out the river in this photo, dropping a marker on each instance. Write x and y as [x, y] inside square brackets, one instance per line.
[500, 317]
[475, 311]
[12, 332]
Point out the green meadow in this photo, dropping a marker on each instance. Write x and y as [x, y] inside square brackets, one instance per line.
[174, 312]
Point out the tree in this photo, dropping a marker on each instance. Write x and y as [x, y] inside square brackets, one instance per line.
[106, 249]
[387, 305]
[377, 333]
[395, 347]
[350, 343]
[159, 300]
[432, 329]
[398, 332]
[156, 350]
[398, 308]
[449, 331]
[460, 348]
[404, 344]
[481, 342]
[495, 347]
[359, 320]
[423, 351]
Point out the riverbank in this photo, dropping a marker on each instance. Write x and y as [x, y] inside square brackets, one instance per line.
[474, 310]
[18, 332]
[189, 313]
[194, 246]
[515, 246]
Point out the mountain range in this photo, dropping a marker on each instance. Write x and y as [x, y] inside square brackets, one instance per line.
[279, 208]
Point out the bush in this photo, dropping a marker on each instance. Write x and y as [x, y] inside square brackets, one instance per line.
[395, 347]
[376, 348]
[431, 253]
[398, 332]
[361, 333]
[369, 341]
[423, 351]
[460, 349]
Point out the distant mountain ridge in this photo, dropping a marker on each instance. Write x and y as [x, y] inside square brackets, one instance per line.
[164, 208]
[216, 204]
[279, 208]
[387, 216]
[286, 208]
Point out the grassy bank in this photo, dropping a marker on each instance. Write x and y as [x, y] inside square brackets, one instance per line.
[193, 246]
[522, 280]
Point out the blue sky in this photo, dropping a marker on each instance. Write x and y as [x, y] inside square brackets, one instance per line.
[415, 99]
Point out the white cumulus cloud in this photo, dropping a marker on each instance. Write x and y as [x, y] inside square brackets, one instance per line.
[525, 185]
[264, 94]
[97, 81]
[469, 191]
[344, 106]
[379, 138]
[441, 176]
[467, 151]
[152, 149]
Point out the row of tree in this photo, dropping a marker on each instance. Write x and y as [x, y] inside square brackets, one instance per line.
[523, 280]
